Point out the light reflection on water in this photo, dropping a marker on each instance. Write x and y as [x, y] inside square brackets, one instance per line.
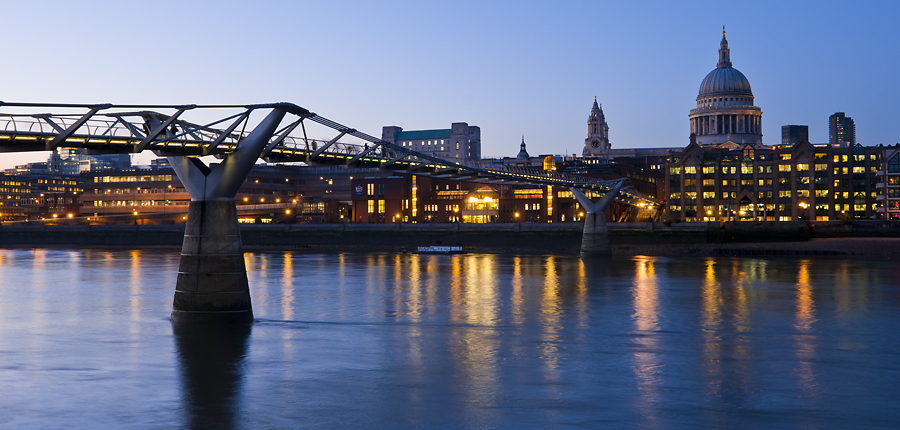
[468, 341]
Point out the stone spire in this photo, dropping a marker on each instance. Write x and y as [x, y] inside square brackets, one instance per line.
[724, 52]
[596, 106]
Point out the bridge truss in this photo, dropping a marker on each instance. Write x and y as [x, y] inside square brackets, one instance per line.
[218, 130]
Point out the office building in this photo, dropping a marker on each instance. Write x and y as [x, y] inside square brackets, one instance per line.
[841, 129]
[459, 142]
[794, 134]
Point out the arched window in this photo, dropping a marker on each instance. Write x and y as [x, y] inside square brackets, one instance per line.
[894, 164]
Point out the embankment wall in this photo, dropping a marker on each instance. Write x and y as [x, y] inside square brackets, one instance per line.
[513, 237]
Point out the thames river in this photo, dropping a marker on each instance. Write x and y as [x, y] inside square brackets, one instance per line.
[346, 341]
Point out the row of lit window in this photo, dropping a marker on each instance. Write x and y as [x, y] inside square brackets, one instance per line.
[145, 178]
[784, 194]
[748, 170]
[784, 207]
[370, 206]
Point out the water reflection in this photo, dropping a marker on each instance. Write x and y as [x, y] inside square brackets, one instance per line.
[712, 325]
[211, 360]
[805, 338]
[647, 368]
[469, 341]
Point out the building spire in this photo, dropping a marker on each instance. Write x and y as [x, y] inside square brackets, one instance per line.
[724, 52]
[596, 106]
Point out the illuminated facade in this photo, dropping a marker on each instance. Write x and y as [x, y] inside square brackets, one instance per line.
[756, 182]
[889, 183]
[270, 194]
[31, 197]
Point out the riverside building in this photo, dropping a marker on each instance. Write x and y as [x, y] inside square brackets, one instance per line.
[889, 183]
[782, 183]
[459, 142]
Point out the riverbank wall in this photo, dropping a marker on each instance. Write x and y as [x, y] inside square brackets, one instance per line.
[564, 238]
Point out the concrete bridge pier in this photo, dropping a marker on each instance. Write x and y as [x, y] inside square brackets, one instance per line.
[595, 239]
[212, 282]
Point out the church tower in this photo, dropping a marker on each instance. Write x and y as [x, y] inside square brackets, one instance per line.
[597, 140]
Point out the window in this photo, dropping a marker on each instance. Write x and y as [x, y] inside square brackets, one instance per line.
[821, 167]
[690, 169]
[821, 193]
[370, 206]
[893, 165]
[784, 167]
[746, 170]
[709, 169]
[709, 195]
[785, 194]
[785, 156]
[675, 170]
[802, 167]
[381, 206]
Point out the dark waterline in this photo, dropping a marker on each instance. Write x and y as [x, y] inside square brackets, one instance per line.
[470, 341]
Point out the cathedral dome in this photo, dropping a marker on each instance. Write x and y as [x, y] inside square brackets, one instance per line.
[725, 111]
[725, 81]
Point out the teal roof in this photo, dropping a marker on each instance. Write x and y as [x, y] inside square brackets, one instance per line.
[424, 134]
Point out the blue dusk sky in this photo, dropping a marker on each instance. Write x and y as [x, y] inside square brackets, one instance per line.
[512, 68]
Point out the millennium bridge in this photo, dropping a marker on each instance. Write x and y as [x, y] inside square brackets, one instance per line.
[212, 285]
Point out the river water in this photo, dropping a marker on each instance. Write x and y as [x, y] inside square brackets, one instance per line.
[477, 341]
